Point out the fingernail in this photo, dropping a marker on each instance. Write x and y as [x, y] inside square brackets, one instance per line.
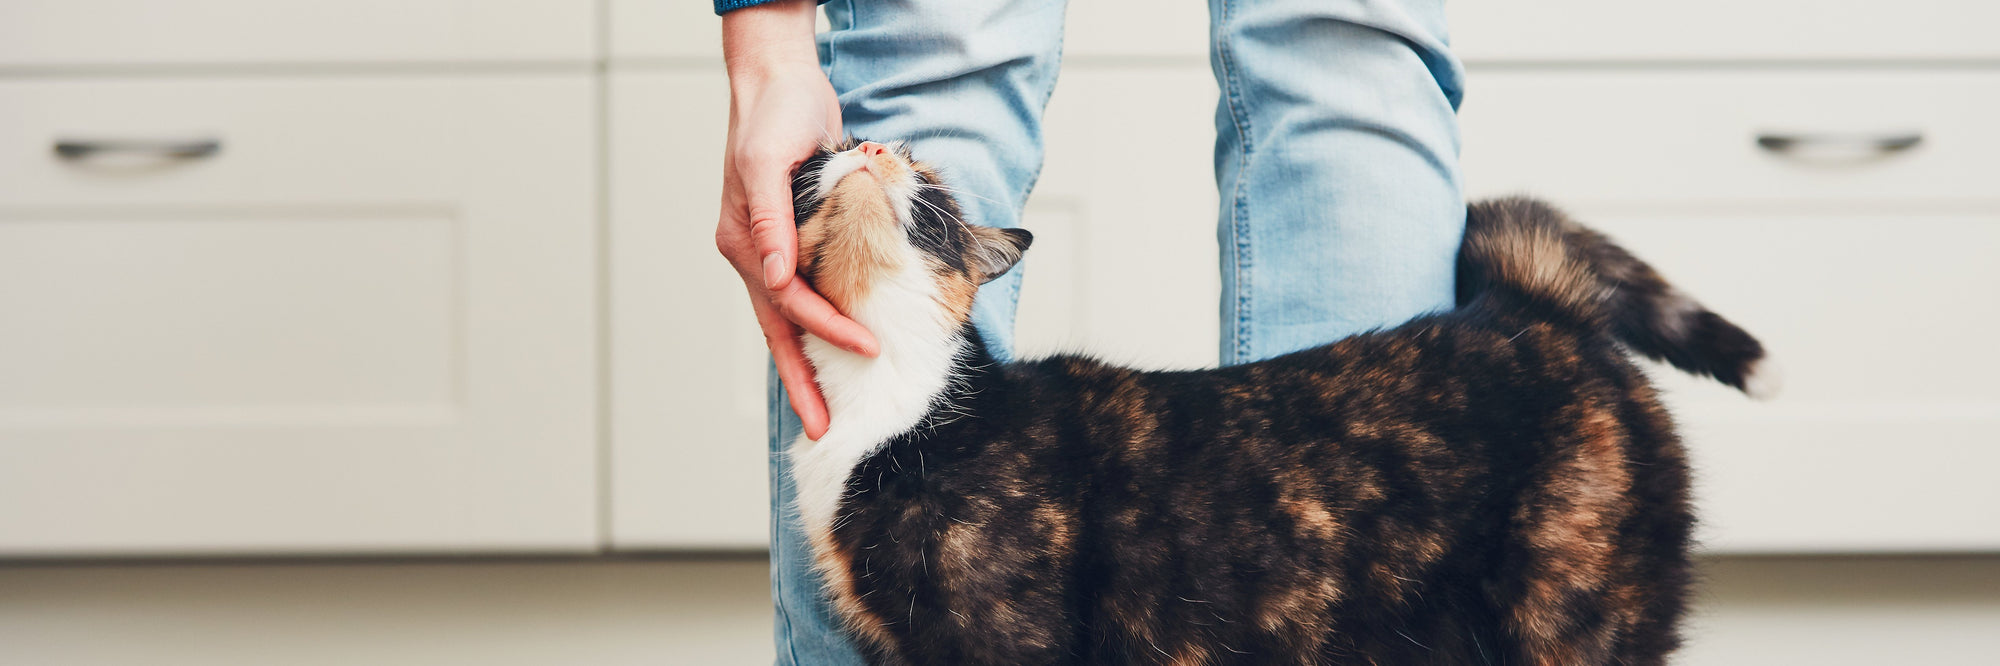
[774, 270]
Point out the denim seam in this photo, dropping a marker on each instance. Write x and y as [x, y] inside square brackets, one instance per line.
[775, 425]
[1239, 231]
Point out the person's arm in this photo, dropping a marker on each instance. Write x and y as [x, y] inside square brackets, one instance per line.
[780, 107]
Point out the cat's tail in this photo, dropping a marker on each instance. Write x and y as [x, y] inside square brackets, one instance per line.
[1521, 254]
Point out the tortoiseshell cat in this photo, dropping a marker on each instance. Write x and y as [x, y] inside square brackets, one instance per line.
[1493, 485]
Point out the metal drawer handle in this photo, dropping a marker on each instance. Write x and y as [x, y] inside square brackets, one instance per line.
[77, 149]
[1881, 143]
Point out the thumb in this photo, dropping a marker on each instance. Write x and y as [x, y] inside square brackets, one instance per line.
[768, 194]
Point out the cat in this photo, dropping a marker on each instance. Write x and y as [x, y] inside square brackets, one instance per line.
[1496, 484]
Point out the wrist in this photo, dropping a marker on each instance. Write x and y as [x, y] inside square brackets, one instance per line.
[769, 41]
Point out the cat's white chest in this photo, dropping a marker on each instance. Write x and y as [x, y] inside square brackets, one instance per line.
[874, 399]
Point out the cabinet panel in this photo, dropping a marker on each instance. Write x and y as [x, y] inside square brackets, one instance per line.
[141, 32]
[687, 422]
[1124, 259]
[1861, 269]
[142, 316]
[1884, 435]
[362, 323]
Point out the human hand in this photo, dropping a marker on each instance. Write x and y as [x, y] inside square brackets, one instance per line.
[780, 107]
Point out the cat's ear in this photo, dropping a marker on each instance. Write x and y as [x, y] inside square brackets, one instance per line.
[996, 250]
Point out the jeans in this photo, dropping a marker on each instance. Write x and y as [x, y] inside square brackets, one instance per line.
[1336, 156]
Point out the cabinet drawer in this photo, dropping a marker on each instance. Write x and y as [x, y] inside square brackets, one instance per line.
[1865, 272]
[1723, 30]
[141, 32]
[362, 323]
[1694, 136]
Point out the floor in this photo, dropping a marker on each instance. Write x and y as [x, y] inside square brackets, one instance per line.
[711, 610]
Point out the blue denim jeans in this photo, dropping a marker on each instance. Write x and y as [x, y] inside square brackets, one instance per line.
[1336, 156]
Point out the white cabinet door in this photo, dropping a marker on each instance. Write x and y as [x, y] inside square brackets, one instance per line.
[41, 33]
[1124, 263]
[1867, 272]
[362, 324]
[687, 375]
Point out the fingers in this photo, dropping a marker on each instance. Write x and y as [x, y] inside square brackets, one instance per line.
[795, 373]
[776, 239]
[770, 133]
[807, 309]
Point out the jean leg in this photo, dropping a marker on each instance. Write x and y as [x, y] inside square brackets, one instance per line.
[1337, 160]
[964, 83]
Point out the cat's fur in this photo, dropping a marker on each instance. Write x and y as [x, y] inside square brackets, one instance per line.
[1493, 485]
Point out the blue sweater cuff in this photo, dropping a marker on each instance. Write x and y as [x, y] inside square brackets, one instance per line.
[725, 6]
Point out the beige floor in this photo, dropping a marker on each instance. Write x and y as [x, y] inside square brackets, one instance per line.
[712, 611]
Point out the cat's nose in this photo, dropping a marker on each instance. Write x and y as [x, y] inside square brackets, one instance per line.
[871, 148]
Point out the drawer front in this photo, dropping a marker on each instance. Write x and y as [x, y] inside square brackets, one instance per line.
[362, 322]
[1720, 30]
[1866, 271]
[139, 32]
[1694, 136]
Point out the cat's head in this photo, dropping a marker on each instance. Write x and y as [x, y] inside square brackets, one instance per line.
[871, 219]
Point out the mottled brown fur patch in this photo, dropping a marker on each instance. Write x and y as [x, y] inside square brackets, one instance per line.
[1537, 259]
[1571, 526]
[835, 570]
[956, 291]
